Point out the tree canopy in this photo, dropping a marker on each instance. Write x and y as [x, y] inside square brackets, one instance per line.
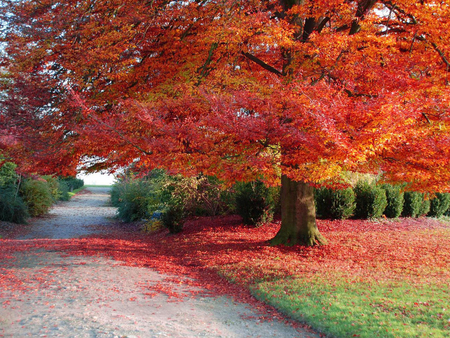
[238, 89]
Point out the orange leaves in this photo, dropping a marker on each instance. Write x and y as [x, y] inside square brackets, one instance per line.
[235, 88]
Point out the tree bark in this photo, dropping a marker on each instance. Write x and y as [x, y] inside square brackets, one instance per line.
[298, 215]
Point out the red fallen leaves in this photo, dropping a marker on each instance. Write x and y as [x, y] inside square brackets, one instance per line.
[411, 249]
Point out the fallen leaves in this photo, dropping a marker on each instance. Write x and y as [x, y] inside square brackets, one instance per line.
[212, 248]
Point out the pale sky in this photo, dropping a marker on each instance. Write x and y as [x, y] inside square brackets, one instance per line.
[97, 179]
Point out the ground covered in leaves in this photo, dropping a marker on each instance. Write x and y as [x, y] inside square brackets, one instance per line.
[375, 278]
[117, 285]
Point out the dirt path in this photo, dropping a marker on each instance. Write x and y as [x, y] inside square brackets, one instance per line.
[48, 293]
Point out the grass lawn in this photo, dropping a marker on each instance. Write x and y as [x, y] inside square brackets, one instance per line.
[374, 279]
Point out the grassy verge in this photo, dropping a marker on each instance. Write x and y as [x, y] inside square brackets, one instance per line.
[74, 192]
[362, 308]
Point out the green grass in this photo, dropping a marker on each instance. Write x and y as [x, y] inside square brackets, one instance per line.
[343, 308]
[74, 192]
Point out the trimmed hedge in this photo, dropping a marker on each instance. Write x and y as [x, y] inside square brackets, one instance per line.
[334, 204]
[425, 206]
[413, 204]
[439, 205]
[395, 200]
[371, 200]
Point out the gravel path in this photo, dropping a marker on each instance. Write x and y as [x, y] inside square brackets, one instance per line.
[65, 296]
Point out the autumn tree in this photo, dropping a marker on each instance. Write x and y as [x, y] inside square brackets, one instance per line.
[290, 89]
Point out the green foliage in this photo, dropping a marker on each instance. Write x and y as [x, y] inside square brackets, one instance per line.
[63, 191]
[413, 204]
[335, 204]
[395, 200]
[172, 218]
[371, 200]
[255, 202]
[425, 206]
[72, 182]
[37, 196]
[8, 176]
[115, 193]
[134, 198]
[200, 195]
[12, 207]
[53, 185]
[439, 205]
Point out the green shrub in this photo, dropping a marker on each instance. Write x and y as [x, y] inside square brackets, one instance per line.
[172, 218]
[72, 182]
[115, 192]
[425, 206]
[53, 185]
[412, 204]
[370, 200]
[255, 202]
[63, 191]
[12, 207]
[439, 205]
[8, 176]
[335, 204]
[395, 200]
[134, 199]
[37, 196]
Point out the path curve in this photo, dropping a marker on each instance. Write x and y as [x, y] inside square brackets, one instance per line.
[58, 295]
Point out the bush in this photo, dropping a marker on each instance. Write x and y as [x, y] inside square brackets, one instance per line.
[335, 204]
[37, 196]
[395, 200]
[371, 200]
[201, 195]
[255, 202]
[425, 206]
[134, 198]
[115, 193]
[72, 182]
[439, 205]
[412, 204]
[8, 176]
[53, 185]
[172, 218]
[12, 207]
[63, 191]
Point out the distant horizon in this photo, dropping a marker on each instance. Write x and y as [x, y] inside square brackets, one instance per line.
[97, 178]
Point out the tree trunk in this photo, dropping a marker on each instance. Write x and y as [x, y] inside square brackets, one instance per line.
[298, 215]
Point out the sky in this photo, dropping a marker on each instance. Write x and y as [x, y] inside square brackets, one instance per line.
[97, 179]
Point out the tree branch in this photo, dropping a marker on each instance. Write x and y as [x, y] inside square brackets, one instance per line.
[262, 64]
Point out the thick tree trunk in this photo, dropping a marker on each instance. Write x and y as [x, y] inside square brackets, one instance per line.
[298, 215]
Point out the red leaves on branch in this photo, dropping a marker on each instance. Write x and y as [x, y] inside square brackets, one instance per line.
[232, 89]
